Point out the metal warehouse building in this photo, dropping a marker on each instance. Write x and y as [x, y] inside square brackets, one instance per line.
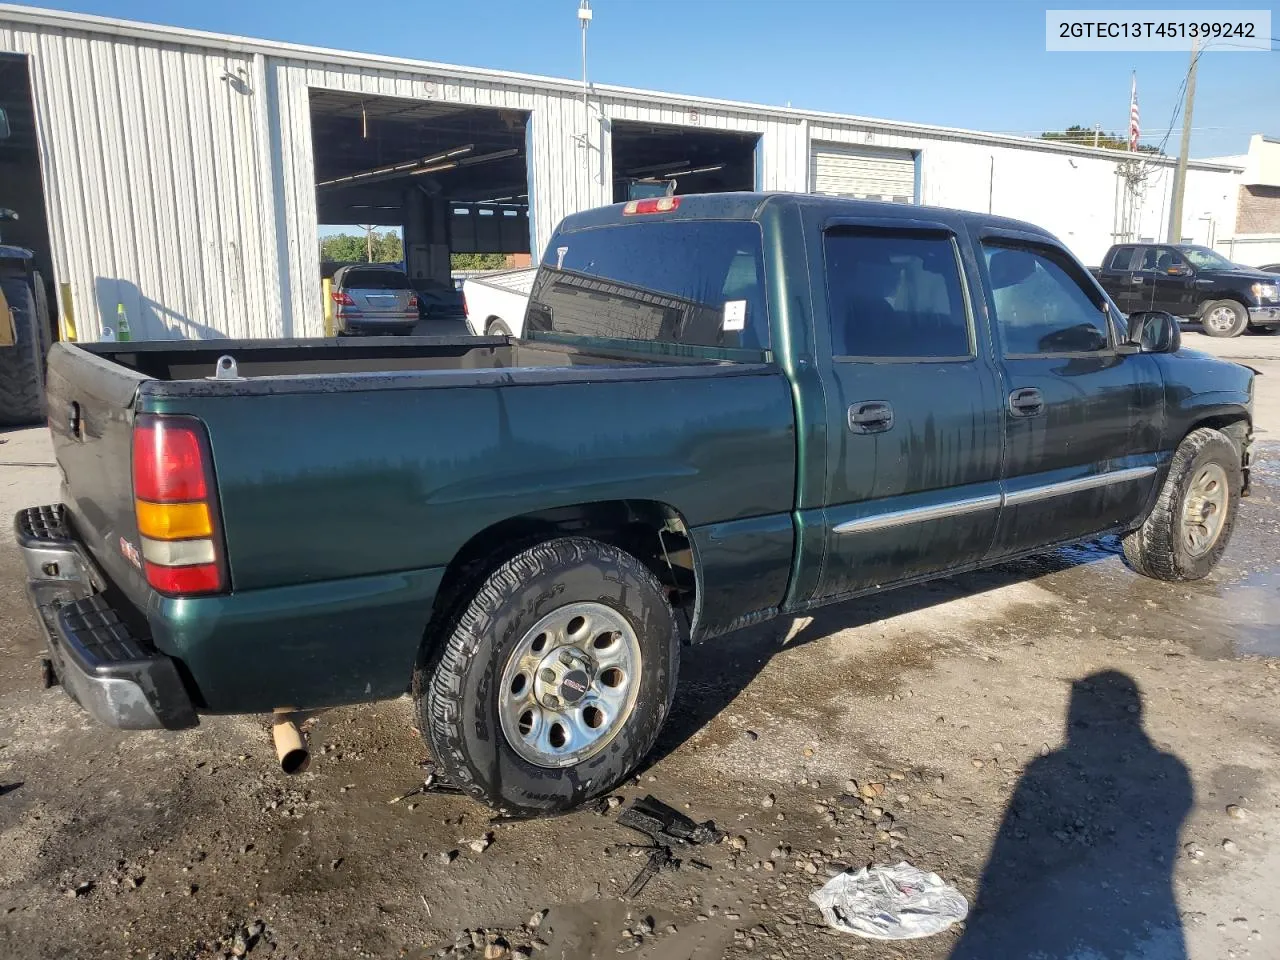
[186, 174]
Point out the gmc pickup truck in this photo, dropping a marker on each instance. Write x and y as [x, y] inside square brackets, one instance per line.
[725, 408]
[1193, 283]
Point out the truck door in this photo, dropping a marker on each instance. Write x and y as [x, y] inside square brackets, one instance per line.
[1082, 420]
[913, 407]
[1174, 282]
[1117, 277]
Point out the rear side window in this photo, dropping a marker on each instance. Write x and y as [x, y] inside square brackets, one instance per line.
[895, 294]
[374, 280]
[1120, 259]
[695, 282]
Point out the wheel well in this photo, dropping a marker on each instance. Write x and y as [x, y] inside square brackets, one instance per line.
[652, 532]
[1227, 298]
[1234, 425]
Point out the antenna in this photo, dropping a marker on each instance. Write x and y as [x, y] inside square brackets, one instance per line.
[584, 18]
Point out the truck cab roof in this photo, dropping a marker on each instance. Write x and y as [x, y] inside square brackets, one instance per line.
[754, 206]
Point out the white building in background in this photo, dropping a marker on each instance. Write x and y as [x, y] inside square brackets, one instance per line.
[185, 174]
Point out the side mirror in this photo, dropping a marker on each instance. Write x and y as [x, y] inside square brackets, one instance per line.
[1178, 270]
[1154, 331]
[5, 131]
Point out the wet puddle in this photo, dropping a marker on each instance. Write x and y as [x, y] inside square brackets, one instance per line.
[1251, 608]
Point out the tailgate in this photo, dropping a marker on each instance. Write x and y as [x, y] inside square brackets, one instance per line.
[91, 410]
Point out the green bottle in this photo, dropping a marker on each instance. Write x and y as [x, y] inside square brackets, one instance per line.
[122, 324]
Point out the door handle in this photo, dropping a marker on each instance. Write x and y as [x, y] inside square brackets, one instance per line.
[1136, 280]
[870, 416]
[1026, 402]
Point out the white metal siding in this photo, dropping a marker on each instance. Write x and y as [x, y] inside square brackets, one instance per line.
[152, 155]
[870, 173]
[180, 180]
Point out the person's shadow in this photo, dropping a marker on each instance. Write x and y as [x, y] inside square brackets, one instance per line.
[1083, 863]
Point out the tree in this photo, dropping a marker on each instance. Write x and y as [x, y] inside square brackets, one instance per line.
[477, 261]
[1083, 137]
[354, 248]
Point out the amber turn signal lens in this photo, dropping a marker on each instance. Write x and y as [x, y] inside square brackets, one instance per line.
[173, 521]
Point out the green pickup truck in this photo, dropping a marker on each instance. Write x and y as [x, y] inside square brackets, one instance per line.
[724, 409]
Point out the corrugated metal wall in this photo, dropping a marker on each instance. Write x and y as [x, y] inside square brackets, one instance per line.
[180, 175]
[153, 155]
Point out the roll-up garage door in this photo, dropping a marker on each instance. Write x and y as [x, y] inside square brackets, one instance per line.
[868, 173]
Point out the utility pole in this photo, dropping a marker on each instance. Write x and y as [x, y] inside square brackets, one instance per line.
[584, 18]
[1180, 175]
[1097, 129]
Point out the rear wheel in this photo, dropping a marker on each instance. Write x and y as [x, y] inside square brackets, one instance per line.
[1191, 524]
[497, 328]
[1224, 318]
[22, 365]
[555, 680]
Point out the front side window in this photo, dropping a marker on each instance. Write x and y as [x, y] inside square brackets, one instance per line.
[694, 282]
[1160, 259]
[895, 294]
[1041, 302]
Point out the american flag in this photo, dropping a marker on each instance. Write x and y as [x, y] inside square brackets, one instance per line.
[1134, 128]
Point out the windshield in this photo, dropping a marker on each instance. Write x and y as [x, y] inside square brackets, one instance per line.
[1206, 259]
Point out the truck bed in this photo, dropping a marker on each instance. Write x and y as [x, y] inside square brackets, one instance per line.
[170, 361]
[350, 473]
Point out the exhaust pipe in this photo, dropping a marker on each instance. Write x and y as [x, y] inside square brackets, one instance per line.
[291, 745]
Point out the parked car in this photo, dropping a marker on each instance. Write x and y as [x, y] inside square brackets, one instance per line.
[725, 408]
[373, 298]
[495, 302]
[1191, 282]
[439, 301]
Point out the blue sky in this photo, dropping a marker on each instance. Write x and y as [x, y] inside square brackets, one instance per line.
[980, 65]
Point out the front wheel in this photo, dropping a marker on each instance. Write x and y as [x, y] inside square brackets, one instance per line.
[555, 680]
[1188, 530]
[497, 328]
[1224, 318]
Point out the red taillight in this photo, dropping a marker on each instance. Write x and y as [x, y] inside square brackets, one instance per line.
[202, 578]
[168, 463]
[343, 298]
[465, 311]
[651, 205]
[413, 303]
[172, 488]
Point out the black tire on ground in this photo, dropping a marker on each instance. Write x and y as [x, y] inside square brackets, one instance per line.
[497, 328]
[457, 686]
[22, 365]
[1224, 318]
[1159, 548]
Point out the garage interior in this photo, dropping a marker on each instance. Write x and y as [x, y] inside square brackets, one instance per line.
[453, 177]
[698, 160]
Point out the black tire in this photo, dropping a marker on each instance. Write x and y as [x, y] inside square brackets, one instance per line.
[456, 687]
[22, 365]
[1158, 549]
[1237, 325]
[497, 328]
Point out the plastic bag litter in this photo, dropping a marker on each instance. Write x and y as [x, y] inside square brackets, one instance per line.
[890, 903]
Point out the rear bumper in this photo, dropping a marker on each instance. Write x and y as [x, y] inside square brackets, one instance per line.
[113, 674]
[1264, 316]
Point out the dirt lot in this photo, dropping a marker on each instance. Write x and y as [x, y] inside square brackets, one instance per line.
[1093, 756]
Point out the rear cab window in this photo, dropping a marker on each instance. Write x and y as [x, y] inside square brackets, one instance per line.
[690, 282]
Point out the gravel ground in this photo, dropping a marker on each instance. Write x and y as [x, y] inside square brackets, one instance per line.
[1090, 756]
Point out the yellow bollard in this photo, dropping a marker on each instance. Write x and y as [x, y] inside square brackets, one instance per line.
[327, 287]
[67, 324]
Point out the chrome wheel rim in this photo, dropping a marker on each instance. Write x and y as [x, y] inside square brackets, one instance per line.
[1220, 318]
[569, 685]
[1205, 509]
